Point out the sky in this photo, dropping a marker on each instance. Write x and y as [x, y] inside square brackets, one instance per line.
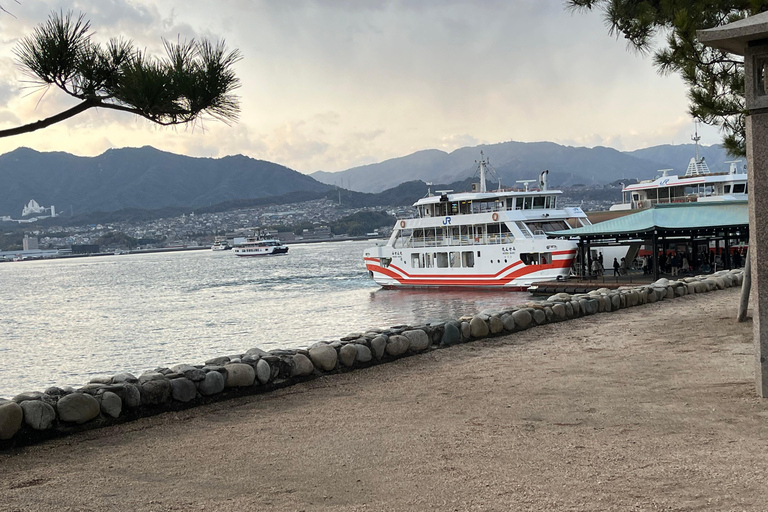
[334, 84]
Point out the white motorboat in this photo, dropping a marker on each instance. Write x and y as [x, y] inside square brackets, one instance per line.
[258, 247]
[220, 245]
[486, 239]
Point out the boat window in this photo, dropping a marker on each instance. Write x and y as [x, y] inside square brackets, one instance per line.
[468, 259]
[524, 229]
[528, 203]
[545, 258]
[465, 207]
[727, 189]
[499, 234]
[739, 188]
[403, 238]
[530, 258]
[455, 259]
[538, 202]
[454, 208]
[415, 261]
[519, 203]
[547, 203]
[746, 188]
[553, 202]
[428, 260]
[385, 262]
[442, 259]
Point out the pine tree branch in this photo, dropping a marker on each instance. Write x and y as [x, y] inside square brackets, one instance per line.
[44, 123]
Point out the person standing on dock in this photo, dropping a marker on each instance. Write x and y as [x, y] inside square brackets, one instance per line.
[616, 267]
[596, 267]
[623, 269]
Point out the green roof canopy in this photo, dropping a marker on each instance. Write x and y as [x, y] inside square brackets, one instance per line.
[683, 218]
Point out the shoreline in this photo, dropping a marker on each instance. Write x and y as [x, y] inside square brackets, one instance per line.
[651, 407]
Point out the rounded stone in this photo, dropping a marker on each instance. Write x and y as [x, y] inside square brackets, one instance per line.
[559, 311]
[397, 345]
[324, 357]
[11, 416]
[539, 317]
[150, 376]
[78, 408]
[522, 318]
[213, 383]
[190, 372]
[478, 328]
[363, 353]
[378, 346]
[347, 355]
[508, 321]
[124, 377]
[451, 335]
[615, 303]
[263, 371]
[28, 395]
[38, 414]
[155, 392]
[418, 340]
[129, 394]
[302, 366]
[183, 389]
[466, 330]
[240, 375]
[495, 325]
[111, 405]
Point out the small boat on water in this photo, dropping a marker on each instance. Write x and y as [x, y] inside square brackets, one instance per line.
[479, 239]
[220, 245]
[258, 247]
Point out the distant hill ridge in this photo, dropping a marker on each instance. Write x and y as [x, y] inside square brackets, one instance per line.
[149, 179]
[144, 178]
[525, 160]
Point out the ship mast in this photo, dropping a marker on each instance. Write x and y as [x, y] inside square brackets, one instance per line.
[696, 138]
[482, 173]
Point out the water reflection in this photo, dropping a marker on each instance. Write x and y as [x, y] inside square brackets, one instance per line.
[433, 305]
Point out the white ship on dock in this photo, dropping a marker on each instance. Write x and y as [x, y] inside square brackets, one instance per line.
[698, 184]
[479, 239]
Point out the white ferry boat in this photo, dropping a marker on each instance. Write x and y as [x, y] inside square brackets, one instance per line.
[257, 247]
[698, 185]
[220, 245]
[478, 239]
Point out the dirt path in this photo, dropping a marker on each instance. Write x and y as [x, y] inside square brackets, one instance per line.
[650, 408]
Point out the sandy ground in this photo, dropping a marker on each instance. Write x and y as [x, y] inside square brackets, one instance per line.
[650, 408]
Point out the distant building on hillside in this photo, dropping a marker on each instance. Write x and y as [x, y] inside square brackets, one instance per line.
[33, 208]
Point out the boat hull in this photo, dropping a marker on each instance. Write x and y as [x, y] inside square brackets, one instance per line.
[497, 267]
[270, 251]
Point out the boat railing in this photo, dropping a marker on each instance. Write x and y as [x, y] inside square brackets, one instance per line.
[460, 241]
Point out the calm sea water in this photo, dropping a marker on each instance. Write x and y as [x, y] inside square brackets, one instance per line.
[64, 321]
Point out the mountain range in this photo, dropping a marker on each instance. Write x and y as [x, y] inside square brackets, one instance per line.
[524, 161]
[146, 178]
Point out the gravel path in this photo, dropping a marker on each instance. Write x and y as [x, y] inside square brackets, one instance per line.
[649, 408]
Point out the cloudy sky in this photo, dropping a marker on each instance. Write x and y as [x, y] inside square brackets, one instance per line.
[332, 84]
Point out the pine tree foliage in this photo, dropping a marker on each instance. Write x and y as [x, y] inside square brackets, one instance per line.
[194, 79]
[715, 79]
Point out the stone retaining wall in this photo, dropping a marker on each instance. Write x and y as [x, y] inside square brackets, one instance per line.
[35, 416]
